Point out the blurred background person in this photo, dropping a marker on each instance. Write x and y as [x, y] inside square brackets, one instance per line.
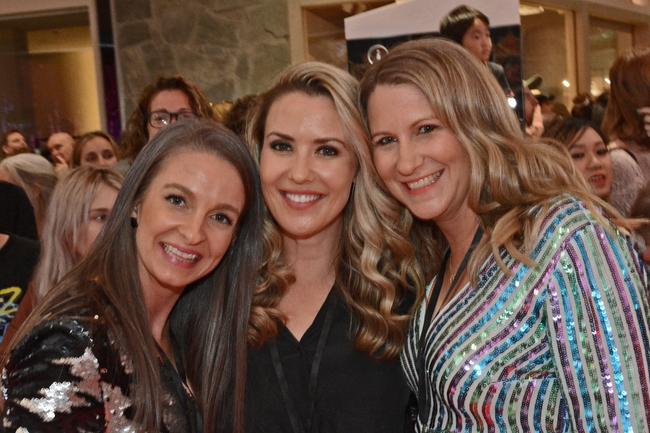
[95, 148]
[81, 202]
[587, 147]
[470, 28]
[13, 142]
[35, 175]
[17, 215]
[624, 124]
[19, 250]
[60, 146]
[161, 103]
[582, 106]
[641, 209]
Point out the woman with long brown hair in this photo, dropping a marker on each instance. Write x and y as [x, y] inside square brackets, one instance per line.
[174, 268]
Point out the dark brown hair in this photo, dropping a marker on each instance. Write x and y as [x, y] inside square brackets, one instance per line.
[456, 23]
[630, 90]
[136, 134]
[210, 319]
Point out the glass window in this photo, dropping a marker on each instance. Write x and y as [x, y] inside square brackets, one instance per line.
[607, 41]
[547, 43]
[49, 80]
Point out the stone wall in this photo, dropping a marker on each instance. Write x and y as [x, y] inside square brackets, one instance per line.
[229, 48]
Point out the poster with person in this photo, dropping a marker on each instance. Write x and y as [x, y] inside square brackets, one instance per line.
[489, 30]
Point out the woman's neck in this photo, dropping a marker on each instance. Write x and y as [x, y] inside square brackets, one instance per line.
[459, 233]
[313, 260]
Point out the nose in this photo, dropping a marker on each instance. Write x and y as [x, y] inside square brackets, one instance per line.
[408, 159]
[301, 169]
[593, 162]
[192, 228]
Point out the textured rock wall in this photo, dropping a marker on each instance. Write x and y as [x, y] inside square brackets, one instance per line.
[229, 48]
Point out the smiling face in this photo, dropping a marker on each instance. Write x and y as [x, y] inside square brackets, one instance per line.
[186, 220]
[98, 152]
[420, 160]
[171, 101]
[100, 210]
[477, 40]
[306, 167]
[591, 157]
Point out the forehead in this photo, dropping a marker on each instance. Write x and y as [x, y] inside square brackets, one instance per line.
[478, 26]
[14, 135]
[96, 143]
[59, 138]
[170, 100]
[306, 113]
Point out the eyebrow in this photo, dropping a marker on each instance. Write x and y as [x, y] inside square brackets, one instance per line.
[185, 190]
[318, 140]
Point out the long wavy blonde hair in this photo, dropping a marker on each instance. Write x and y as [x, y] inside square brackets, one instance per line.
[510, 175]
[376, 267]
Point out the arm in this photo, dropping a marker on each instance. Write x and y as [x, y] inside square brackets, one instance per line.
[598, 325]
[52, 382]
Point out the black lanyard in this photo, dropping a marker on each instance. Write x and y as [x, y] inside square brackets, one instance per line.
[428, 316]
[296, 424]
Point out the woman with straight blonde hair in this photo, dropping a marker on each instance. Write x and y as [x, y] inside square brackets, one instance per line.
[81, 202]
[537, 319]
[332, 304]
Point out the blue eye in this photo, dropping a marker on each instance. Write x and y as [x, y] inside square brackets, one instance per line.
[383, 141]
[222, 218]
[327, 151]
[280, 146]
[175, 200]
[425, 129]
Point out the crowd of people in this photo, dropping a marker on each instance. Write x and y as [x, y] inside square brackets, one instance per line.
[394, 254]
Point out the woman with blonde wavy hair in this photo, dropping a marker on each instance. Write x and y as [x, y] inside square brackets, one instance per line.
[330, 313]
[537, 319]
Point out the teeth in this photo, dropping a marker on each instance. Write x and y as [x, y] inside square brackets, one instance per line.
[302, 198]
[180, 254]
[425, 181]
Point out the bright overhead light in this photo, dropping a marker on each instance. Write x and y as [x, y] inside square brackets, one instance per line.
[607, 80]
[566, 83]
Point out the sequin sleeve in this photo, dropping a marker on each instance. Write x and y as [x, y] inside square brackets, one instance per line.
[598, 323]
[52, 382]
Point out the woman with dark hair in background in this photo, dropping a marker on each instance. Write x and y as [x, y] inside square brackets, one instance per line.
[624, 123]
[149, 330]
[160, 104]
[586, 145]
[538, 317]
[470, 28]
[333, 299]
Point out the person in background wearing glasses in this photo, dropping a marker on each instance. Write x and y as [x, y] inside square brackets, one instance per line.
[161, 103]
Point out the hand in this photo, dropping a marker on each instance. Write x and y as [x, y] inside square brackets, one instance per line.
[645, 113]
[60, 165]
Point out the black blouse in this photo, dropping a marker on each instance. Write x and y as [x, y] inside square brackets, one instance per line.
[68, 375]
[354, 393]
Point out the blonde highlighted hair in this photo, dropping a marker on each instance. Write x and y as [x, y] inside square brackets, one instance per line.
[509, 174]
[68, 212]
[376, 267]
